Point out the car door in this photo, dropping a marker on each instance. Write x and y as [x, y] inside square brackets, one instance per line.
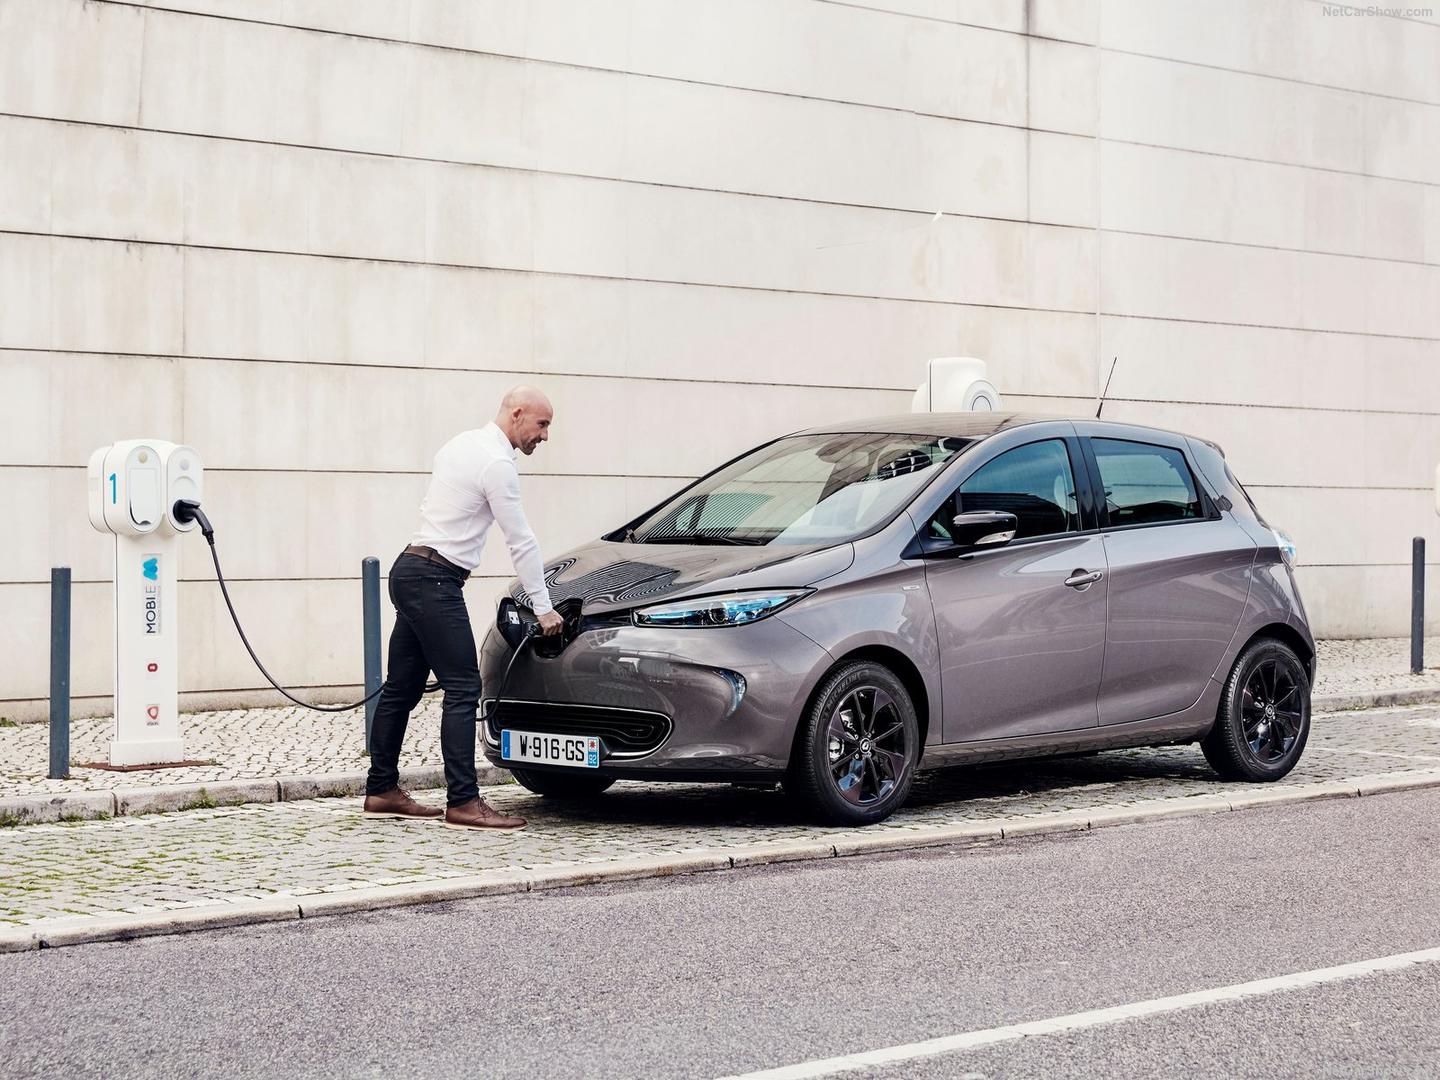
[1179, 574]
[1021, 628]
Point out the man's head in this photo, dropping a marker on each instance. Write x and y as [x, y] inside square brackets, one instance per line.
[524, 417]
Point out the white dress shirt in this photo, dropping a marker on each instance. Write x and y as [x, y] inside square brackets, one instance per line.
[475, 483]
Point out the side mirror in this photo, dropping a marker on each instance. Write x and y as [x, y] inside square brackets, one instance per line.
[983, 528]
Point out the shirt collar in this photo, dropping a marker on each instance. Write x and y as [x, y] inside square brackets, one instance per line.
[501, 439]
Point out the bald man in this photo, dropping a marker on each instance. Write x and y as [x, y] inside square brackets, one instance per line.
[474, 484]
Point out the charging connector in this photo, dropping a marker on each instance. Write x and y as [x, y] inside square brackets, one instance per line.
[187, 510]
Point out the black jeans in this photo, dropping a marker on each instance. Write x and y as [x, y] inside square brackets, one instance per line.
[432, 633]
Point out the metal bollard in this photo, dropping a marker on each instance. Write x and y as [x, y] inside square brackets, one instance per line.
[1417, 605]
[370, 584]
[60, 673]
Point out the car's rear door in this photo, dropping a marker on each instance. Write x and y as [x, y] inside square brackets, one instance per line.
[1179, 572]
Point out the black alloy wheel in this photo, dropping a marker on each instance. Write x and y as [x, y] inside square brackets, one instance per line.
[858, 747]
[1264, 716]
[865, 741]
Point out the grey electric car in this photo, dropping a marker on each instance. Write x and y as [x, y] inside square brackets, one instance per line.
[840, 606]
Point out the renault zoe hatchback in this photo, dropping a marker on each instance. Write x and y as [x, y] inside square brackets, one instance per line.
[838, 607]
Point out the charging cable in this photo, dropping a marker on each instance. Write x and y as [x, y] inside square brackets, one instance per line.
[188, 510]
[531, 633]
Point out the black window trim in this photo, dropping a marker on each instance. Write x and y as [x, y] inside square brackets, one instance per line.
[1092, 469]
[1084, 495]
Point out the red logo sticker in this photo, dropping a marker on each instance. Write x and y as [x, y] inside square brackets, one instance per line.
[153, 712]
[152, 668]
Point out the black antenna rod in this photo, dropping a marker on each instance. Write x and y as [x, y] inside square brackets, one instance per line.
[1113, 362]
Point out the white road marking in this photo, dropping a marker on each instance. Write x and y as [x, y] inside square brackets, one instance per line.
[968, 1040]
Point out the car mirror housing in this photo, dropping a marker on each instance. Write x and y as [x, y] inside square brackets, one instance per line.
[983, 528]
[974, 531]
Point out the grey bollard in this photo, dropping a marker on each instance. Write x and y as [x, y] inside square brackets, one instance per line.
[370, 584]
[1417, 605]
[60, 673]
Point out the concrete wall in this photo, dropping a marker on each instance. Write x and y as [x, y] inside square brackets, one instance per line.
[314, 238]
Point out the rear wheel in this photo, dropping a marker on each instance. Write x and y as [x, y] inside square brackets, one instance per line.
[1264, 717]
[858, 747]
[561, 785]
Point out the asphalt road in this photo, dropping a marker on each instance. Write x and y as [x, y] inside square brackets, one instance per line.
[730, 973]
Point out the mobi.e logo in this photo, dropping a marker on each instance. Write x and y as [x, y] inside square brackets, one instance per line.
[150, 568]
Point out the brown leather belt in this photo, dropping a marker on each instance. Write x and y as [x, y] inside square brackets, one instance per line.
[429, 554]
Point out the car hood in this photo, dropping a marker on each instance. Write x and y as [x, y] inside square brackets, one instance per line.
[608, 575]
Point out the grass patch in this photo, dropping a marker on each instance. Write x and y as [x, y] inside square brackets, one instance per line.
[5, 721]
[9, 821]
[201, 800]
[75, 817]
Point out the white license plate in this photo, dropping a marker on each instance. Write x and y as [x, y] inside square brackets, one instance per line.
[538, 748]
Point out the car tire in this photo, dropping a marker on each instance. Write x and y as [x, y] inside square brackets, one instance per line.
[858, 747]
[561, 785]
[1264, 716]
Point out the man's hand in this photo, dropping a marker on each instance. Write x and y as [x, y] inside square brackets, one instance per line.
[551, 623]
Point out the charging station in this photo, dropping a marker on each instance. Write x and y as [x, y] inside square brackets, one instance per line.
[133, 486]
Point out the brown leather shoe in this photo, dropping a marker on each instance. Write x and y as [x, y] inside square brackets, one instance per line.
[478, 814]
[397, 803]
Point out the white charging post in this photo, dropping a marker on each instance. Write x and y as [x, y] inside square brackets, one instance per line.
[133, 485]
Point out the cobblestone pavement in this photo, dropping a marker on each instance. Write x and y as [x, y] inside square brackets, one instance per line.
[259, 743]
[244, 744]
[169, 861]
[1371, 664]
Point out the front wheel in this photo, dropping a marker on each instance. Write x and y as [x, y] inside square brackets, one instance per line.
[858, 747]
[561, 785]
[1264, 716]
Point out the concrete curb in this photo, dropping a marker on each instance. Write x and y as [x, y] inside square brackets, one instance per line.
[123, 927]
[33, 809]
[1373, 699]
[68, 806]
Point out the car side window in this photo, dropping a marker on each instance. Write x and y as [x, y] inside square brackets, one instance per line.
[1146, 484]
[1034, 482]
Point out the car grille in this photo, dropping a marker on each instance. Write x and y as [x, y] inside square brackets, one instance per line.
[627, 732]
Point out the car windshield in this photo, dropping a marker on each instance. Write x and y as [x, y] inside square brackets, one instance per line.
[805, 489]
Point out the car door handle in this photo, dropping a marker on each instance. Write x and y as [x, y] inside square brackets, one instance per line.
[1083, 579]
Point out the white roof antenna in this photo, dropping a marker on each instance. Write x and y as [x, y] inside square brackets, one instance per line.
[956, 384]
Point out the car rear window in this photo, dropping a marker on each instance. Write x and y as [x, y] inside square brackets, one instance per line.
[1146, 484]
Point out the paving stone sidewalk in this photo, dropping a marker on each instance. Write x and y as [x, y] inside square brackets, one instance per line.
[171, 862]
[264, 743]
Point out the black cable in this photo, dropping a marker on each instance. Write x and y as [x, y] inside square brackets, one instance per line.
[224, 591]
[187, 510]
[530, 632]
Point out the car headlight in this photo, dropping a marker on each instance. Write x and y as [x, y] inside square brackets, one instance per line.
[727, 609]
[1287, 546]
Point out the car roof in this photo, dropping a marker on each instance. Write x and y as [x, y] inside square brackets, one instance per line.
[966, 425]
[963, 425]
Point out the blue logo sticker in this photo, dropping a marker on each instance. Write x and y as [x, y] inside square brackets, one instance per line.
[505, 743]
[152, 568]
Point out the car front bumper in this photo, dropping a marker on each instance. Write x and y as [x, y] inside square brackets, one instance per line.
[731, 696]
